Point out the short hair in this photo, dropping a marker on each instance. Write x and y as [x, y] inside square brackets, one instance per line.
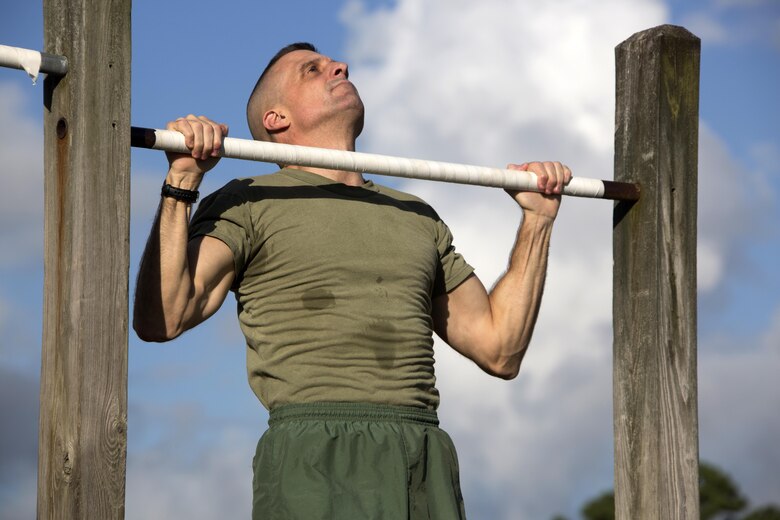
[287, 49]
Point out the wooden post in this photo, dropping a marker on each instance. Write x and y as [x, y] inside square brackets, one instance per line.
[654, 293]
[83, 416]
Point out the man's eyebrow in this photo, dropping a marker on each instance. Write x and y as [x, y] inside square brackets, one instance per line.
[308, 63]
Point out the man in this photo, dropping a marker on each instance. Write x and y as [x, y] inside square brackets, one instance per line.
[340, 283]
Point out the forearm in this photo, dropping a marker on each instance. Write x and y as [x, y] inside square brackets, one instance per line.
[164, 283]
[180, 283]
[517, 296]
[494, 329]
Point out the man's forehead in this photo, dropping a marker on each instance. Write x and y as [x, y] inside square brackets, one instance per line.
[297, 57]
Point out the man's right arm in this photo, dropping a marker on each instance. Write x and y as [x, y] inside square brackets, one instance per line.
[181, 282]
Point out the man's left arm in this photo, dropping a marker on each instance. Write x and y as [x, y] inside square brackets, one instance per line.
[494, 328]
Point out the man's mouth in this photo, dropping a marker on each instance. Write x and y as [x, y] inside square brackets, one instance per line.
[338, 82]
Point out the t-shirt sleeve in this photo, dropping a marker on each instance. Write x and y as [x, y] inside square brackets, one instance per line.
[453, 268]
[225, 215]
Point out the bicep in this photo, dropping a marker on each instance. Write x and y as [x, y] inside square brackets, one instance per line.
[212, 271]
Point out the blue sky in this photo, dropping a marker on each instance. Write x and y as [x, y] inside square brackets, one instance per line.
[484, 82]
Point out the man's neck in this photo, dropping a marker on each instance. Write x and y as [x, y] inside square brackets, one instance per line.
[332, 141]
[341, 176]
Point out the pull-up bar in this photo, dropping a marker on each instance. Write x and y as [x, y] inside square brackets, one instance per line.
[279, 153]
[34, 62]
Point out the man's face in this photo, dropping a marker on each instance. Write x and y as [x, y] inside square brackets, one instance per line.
[315, 90]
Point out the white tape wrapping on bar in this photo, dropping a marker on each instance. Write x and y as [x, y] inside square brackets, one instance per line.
[17, 58]
[381, 164]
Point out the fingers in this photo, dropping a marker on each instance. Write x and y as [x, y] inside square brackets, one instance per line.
[202, 136]
[552, 176]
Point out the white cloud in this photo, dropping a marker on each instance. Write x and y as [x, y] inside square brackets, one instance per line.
[493, 82]
[507, 431]
[742, 3]
[732, 202]
[21, 211]
[21, 199]
[179, 477]
[708, 27]
[735, 22]
[18, 501]
[486, 83]
[766, 155]
[18, 440]
[739, 390]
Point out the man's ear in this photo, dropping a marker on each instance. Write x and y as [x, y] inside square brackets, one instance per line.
[275, 122]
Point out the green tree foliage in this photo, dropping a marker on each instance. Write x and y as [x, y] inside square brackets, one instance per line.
[719, 498]
[600, 508]
[717, 493]
[764, 513]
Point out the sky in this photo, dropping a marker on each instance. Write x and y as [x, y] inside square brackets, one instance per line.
[488, 82]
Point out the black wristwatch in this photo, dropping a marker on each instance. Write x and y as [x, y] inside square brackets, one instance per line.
[188, 196]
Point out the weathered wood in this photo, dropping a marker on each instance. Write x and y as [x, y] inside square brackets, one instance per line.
[83, 417]
[654, 293]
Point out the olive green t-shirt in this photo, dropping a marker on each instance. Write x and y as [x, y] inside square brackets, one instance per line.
[334, 286]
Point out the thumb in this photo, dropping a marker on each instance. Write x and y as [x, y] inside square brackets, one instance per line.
[522, 167]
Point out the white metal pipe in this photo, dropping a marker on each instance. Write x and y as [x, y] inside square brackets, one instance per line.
[33, 62]
[384, 165]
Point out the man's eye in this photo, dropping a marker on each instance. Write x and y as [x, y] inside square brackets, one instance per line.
[312, 68]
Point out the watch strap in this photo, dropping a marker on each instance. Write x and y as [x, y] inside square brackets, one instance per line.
[188, 196]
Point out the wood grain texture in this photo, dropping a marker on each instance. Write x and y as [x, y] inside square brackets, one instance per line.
[654, 284]
[83, 417]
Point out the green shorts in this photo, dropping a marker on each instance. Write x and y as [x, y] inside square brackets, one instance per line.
[355, 461]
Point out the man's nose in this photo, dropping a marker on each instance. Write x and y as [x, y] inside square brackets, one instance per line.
[339, 68]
